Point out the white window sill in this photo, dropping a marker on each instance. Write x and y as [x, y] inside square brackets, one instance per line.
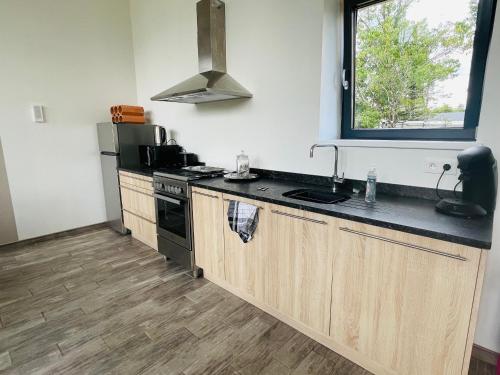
[418, 145]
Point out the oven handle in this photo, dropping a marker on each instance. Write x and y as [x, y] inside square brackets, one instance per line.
[168, 199]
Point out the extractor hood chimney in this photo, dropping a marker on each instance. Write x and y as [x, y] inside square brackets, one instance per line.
[213, 83]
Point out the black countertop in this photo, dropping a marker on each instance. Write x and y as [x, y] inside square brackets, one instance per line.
[142, 171]
[412, 215]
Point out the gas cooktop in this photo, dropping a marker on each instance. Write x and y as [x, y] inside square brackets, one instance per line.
[188, 175]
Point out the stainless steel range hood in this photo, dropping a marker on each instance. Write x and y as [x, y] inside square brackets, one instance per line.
[213, 83]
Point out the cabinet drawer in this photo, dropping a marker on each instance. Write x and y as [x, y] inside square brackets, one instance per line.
[136, 180]
[142, 230]
[138, 203]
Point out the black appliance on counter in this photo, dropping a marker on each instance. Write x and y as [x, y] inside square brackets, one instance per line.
[188, 158]
[479, 179]
[132, 137]
[173, 213]
[160, 156]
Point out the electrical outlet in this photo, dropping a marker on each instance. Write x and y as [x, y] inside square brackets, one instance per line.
[435, 166]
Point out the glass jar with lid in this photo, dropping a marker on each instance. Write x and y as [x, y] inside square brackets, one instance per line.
[242, 164]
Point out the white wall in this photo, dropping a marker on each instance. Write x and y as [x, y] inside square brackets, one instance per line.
[75, 58]
[488, 330]
[277, 55]
[274, 48]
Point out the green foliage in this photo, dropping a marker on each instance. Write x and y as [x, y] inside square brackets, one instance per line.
[445, 108]
[399, 62]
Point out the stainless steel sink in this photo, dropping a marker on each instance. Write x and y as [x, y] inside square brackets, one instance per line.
[316, 196]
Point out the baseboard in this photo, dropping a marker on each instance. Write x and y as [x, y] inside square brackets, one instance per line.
[485, 355]
[53, 236]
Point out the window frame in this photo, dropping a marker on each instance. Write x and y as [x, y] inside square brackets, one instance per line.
[481, 44]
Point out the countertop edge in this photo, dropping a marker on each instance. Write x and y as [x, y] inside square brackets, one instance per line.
[383, 224]
[143, 172]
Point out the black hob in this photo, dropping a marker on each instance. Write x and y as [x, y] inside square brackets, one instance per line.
[187, 175]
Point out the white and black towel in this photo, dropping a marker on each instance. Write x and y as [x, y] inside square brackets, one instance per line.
[243, 219]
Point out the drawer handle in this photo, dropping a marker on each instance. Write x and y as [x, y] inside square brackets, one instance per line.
[126, 187]
[206, 195]
[299, 217]
[259, 207]
[415, 247]
[177, 202]
[139, 216]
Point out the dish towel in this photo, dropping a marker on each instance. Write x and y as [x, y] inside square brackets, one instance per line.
[243, 219]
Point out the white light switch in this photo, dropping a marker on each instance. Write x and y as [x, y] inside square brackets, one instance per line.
[38, 114]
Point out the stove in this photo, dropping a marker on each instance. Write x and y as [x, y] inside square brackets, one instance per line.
[183, 175]
[189, 173]
[173, 212]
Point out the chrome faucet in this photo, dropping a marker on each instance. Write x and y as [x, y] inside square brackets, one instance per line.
[336, 179]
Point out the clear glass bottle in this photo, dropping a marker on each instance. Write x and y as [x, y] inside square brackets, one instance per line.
[371, 186]
[242, 164]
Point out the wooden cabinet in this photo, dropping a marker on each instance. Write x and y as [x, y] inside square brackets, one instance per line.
[299, 266]
[402, 301]
[246, 263]
[393, 302]
[208, 231]
[136, 181]
[142, 230]
[138, 203]
[138, 206]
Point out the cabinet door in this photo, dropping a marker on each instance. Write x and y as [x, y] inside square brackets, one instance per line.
[299, 266]
[403, 301]
[138, 203]
[245, 263]
[208, 232]
[143, 230]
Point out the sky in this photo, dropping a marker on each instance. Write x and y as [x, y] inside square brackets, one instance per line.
[437, 12]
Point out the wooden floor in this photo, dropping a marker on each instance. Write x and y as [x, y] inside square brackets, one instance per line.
[97, 302]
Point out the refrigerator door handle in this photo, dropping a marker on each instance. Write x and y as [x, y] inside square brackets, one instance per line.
[163, 133]
[109, 153]
[149, 153]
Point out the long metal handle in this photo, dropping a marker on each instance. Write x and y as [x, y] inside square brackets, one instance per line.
[416, 247]
[128, 187]
[139, 216]
[259, 207]
[206, 195]
[299, 217]
[168, 199]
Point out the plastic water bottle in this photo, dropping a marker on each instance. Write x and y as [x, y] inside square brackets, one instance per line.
[371, 186]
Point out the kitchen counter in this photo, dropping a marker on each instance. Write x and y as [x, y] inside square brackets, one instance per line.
[411, 215]
[142, 171]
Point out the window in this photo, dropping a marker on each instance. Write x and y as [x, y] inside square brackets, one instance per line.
[414, 69]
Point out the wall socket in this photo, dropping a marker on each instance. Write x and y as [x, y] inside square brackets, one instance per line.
[435, 166]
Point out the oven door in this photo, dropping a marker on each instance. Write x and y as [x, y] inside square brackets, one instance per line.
[173, 220]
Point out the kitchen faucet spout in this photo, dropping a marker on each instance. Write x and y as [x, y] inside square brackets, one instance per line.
[336, 179]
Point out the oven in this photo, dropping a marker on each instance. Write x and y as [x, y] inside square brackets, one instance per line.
[173, 212]
[173, 219]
